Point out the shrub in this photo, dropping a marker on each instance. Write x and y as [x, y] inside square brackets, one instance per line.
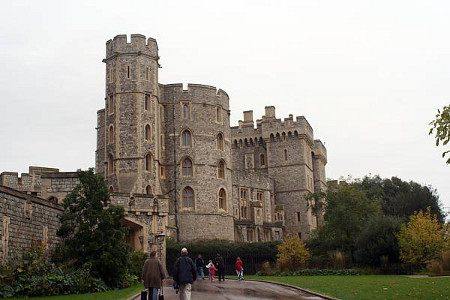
[136, 263]
[446, 260]
[292, 254]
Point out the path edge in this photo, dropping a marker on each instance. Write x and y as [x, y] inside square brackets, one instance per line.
[295, 287]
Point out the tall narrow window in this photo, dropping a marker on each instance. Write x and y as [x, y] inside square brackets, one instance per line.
[161, 113]
[262, 160]
[221, 171]
[110, 164]
[111, 104]
[187, 168]
[188, 197]
[111, 135]
[147, 104]
[148, 132]
[222, 199]
[186, 139]
[128, 72]
[285, 155]
[219, 115]
[148, 162]
[111, 189]
[147, 76]
[148, 190]
[163, 172]
[111, 75]
[298, 217]
[259, 196]
[186, 111]
[220, 141]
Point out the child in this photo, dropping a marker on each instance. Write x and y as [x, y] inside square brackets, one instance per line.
[239, 268]
[212, 270]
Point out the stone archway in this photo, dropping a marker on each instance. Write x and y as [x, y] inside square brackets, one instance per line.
[137, 236]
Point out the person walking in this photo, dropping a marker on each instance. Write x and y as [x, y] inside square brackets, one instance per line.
[185, 273]
[239, 267]
[220, 267]
[200, 264]
[153, 274]
[211, 270]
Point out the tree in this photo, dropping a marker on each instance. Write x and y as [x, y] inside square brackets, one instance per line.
[292, 254]
[400, 198]
[377, 239]
[423, 239]
[441, 128]
[92, 230]
[347, 210]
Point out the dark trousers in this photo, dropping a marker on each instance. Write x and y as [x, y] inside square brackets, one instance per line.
[221, 273]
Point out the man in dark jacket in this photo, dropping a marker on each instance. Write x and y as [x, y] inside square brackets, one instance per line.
[218, 261]
[200, 265]
[184, 274]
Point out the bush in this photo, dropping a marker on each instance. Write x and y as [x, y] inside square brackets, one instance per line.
[446, 260]
[292, 254]
[136, 263]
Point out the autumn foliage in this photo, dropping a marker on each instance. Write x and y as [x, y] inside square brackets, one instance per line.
[292, 254]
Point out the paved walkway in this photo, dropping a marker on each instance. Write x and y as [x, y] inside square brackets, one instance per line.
[237, 290]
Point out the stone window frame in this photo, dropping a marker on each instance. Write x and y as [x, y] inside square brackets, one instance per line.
[111, 74]
[147, 102]
[111, 104]
[262, 160]
[219, 115]
[182, 194]
[185, 158]
[243, 207]
[148, 162]
[250, 233]
[182, 138]
[161, 112]
[258, 192]
[183, 105]
[111, 189]
[110, 164]
[162, 172]
[147, 74]
[299, 218]
[128, 71]
[285, 154]
[111, 134]
[221, 169]
[148, 190]
[220, 141]
[148, 132]
[222, 199]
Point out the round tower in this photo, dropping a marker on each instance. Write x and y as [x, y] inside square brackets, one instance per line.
[198, 159]
[131, 118]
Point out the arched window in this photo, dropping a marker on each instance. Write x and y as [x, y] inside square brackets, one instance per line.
[284, 136]
[186, 139]
[111, 189]
[262, 160]
[187, 168]
[221, 170]
[148, 190]
[222, 199]
[186, 111]
[220, 141]
[110, 164]
[188, 197]
[272, 137]
[111, 135]
[148, 162]
[148, 132]
[147, 103]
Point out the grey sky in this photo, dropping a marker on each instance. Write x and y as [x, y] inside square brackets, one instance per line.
[368, 75]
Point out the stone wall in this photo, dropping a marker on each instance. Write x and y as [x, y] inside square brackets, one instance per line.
[25, 220]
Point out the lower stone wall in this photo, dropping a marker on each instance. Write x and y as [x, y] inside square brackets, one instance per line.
[24, 220]
[205, 227]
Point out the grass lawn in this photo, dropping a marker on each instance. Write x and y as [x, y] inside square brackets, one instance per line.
[369, 287]
[109, 295]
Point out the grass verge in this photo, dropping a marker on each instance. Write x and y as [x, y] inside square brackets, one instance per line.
[369, 287]
[109, 295]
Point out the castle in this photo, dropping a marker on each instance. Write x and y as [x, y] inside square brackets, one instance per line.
[171, 159]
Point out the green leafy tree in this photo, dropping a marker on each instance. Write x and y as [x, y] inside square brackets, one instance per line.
[423, 239]
[440, 127]
[292, 254]
[377, 240]
[400, 198]
[92, 230]
[348, 209]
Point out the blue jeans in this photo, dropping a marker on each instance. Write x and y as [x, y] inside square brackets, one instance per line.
[153, 293]
[200, 272]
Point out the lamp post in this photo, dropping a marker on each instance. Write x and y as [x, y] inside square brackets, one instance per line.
[159, 241]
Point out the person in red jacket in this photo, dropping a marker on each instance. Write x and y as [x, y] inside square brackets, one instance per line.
[238, 266]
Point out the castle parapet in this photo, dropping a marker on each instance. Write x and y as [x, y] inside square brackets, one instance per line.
[320, 152]
[138, 44]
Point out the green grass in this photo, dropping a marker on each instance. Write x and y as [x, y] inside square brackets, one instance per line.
[369, 287]
[109, 295]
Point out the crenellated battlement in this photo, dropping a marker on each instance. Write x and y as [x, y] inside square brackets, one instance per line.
[196, 92]
[320, 151]
[138, 44]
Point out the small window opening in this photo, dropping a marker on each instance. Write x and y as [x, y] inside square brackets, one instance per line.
[128, 72]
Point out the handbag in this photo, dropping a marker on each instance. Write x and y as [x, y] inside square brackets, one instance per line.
[144, 295]
[161, 295]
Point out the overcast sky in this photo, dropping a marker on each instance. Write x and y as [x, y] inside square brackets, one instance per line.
[368, 75]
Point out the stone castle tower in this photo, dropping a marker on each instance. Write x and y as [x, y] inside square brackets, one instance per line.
[166, 141]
